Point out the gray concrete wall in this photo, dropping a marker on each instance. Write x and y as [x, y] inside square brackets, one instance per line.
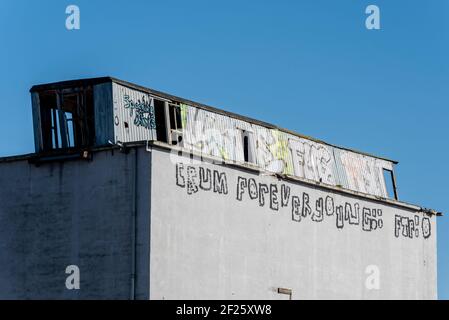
[219, 242]
[74, 213]
[211, 237]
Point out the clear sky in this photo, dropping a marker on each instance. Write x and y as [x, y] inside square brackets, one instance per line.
[310, 66]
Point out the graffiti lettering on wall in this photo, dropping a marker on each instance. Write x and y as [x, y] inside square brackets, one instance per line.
[301, 206]
[410, 227]
[195, 179]
[281, 152]
[312, 161]
[220, 136]
[144, 111]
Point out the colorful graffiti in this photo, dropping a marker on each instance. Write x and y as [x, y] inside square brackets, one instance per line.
[282, 153]
[272, 152]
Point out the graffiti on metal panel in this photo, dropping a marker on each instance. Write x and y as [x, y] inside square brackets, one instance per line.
[312, 161]
[272, 151]
[144, 111]
[204, 134]
[362, 173]
[280, 152]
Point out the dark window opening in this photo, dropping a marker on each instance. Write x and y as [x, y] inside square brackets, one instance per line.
[245, 148]
[248, 153]
[174, 112]
[390, 184]
[175, 117]
[161, 126]
[67, 118]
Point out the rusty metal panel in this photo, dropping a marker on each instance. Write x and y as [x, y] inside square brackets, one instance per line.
[134, 117]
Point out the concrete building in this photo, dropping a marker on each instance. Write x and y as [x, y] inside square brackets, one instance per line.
[151, 196]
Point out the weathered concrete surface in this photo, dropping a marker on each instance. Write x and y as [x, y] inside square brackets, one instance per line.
[211, 245]
[74, 212]
[207, 241]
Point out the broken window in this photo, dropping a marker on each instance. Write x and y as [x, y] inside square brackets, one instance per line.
[168, 122]
[390, 184]
[67, 118]
[174, 112]
[60, 120]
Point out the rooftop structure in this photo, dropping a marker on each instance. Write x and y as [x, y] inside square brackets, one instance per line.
[154, 196]
[101, 111]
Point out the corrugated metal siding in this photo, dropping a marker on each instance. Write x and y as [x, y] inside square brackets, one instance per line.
[272, 150]
[104, 122]
[361, 173]
[211, 134]
[313, 161]
[279, 152]
[134, 118]
[221, 136]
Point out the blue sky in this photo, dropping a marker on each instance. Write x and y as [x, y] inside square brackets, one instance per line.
[310, 66]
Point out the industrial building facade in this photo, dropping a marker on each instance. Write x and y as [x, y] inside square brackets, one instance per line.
[153, 196]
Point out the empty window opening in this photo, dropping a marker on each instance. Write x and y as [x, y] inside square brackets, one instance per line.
[390, 184]
[245, 148]
[248, 150]
[161, 124]
[174, 112]
[67, 118]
